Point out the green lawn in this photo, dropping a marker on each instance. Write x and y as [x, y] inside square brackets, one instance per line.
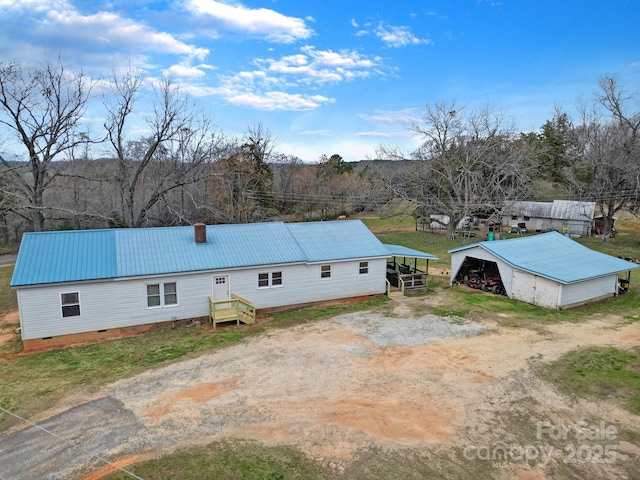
[600, 373]
[8, 300]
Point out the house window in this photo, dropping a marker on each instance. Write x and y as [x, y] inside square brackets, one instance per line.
[170, 294]
[514, 217]
[273, 279]
[525, 218]
[70, 304]
[162, 294]
[263, 280]
[153, 295]
[325, 271]
[364, 268]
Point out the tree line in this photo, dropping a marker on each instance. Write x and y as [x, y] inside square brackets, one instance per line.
[180, 169]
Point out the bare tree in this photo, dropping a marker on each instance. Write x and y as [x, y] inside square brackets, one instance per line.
[43, 107]
[470, 163]
[173, 153]
[608, 170]
[287, 169]
[245, 179]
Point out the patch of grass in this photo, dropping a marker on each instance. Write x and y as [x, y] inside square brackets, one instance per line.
[376, 462]
[598, 372]
[11, 347]
[626, 244]
[7, 404]
[298, 316]
[392, 221]
[8, 298]
[486, 305]
[228, 460]
[447, 312]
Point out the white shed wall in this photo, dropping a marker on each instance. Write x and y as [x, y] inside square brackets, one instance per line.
[581, 292]
[547, 293]
[523, 286]
[123, 303]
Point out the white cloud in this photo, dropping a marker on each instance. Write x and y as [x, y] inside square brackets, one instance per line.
[398, 36]
[33, 6]
[321, 66]
[269, 86]
[407, 116]
[278, 101]
[187, 72]
[264, 22]
[105, 29]
[376, 134]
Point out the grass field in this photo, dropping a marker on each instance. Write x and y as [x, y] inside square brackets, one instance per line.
[8, 301]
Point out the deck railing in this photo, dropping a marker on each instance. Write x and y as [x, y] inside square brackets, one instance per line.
[412, 282]
[234, 309]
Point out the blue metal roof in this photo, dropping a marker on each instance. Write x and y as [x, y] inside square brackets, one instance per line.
[400, 251]
[77, 255]
[60, 257]
[336, 240]
[554, 256]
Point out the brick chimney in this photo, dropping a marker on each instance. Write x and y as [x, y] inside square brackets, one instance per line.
[200, 232]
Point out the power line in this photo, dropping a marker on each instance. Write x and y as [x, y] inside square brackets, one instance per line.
[58, 437]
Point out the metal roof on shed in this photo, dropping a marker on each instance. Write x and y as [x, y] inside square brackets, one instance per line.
[559, 209]
[78, 255]
[554, 256]
[400, 251]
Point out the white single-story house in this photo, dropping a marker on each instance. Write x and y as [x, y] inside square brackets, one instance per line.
[549, 270]
[85, 284]
[575, 216]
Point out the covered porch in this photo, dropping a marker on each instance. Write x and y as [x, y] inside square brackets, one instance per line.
[407, 270]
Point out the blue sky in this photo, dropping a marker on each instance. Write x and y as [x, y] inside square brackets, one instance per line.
[343, 76]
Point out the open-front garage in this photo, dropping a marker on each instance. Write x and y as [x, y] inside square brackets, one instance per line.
[548, 270]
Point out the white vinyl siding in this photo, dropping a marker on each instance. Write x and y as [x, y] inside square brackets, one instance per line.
[40, 306]
[577, 293]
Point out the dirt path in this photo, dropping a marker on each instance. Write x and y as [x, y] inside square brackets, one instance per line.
[328, 389]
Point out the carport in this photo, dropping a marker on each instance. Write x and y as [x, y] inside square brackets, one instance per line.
[404, 274]
[548, 270]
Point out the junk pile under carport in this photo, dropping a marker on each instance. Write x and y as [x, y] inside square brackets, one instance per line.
[480, 274]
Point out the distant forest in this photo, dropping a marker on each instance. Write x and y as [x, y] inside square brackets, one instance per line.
[182, 170]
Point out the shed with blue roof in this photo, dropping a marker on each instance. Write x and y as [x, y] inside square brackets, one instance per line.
[549, 270]
[81, 285]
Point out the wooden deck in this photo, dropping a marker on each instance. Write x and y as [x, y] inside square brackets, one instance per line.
[236, 309]
[405, 279]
